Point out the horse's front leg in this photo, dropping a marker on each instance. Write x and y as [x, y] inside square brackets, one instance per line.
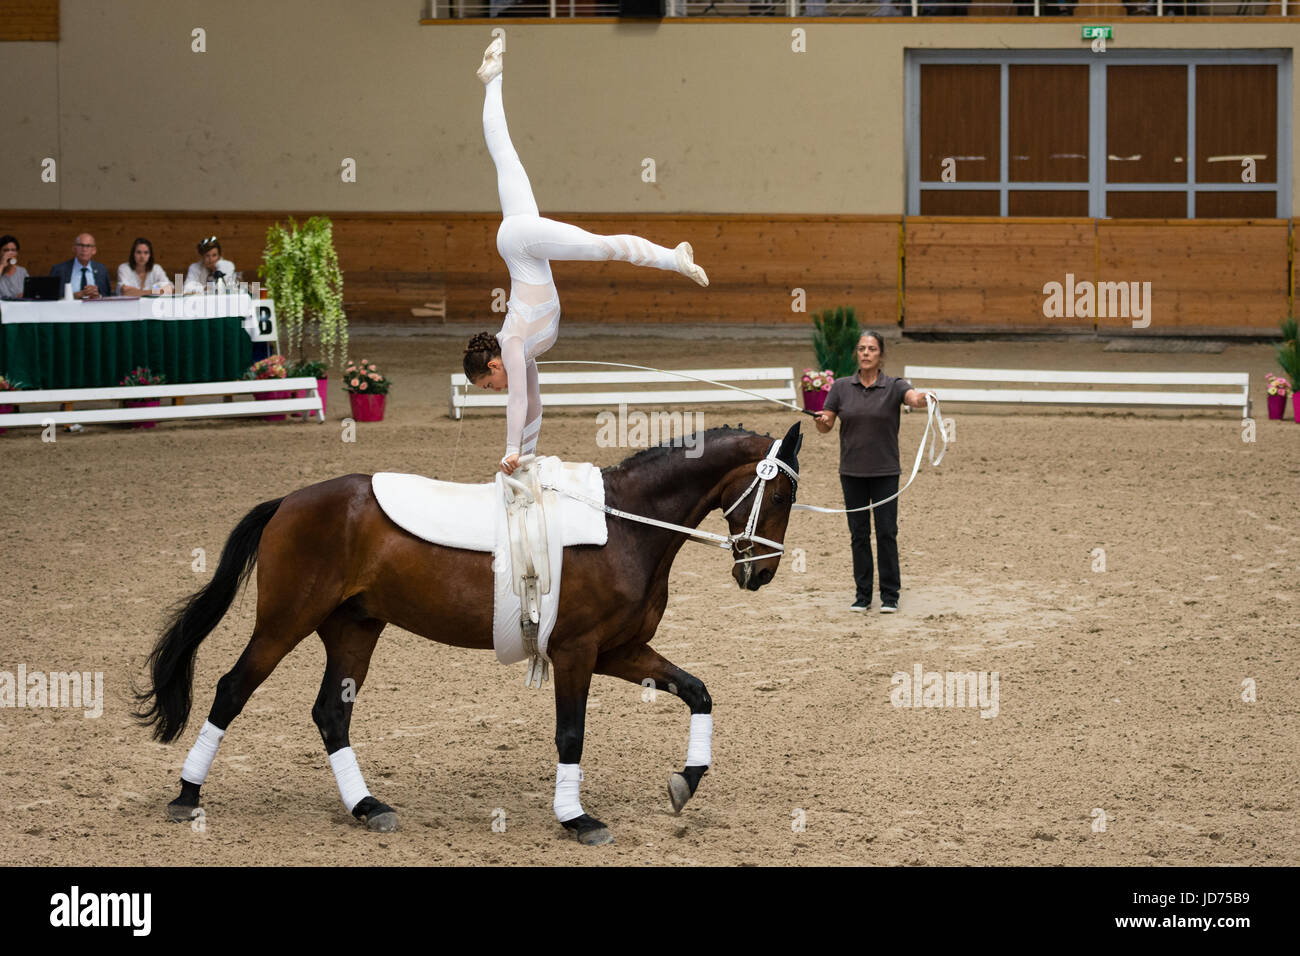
[573, 667]
[639, 663]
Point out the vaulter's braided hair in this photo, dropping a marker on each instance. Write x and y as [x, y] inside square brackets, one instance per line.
[483, 348]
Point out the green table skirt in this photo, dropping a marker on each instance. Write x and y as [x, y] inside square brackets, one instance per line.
[96, 354]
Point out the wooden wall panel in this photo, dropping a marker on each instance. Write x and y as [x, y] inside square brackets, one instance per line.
[1205, 275]
[981, 275]
[29, 20]
[393, 262]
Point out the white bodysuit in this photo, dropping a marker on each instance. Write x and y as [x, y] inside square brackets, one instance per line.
[527, 242]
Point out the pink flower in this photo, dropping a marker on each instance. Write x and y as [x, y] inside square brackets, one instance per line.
[364, 386]
[374, 376]
[354, 382]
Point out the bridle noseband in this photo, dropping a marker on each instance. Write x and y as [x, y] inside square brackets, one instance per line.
[766, 470]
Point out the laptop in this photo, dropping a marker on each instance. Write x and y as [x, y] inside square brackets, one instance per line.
[43, 288]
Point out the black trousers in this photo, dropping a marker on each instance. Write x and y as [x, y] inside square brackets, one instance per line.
[857, 493]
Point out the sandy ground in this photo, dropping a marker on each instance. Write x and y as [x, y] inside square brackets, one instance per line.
[1120, 692]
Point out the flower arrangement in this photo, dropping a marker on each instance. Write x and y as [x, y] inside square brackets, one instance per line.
[817, 380]
[7, 385]
[301, 269]
[142, 376]
[310, 369]
[835, 340]
[1277, 385]
[362, 377]
[1288, 353]
[270, 367]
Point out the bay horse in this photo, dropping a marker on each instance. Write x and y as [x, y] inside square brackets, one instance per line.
[330, 560]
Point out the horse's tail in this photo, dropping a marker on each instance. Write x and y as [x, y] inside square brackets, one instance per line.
[166, 705]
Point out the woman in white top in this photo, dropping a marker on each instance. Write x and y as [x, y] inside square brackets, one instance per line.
[528, 242]
[140, 275]
[211, 268]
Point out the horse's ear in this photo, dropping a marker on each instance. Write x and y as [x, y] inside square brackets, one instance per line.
[790, 444]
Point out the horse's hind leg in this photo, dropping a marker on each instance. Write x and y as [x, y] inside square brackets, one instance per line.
[266, 648]
[349, 642]
[637, 664]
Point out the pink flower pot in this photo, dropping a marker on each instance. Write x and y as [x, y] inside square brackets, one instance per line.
[273, 396]
[1297, 410]
[5, 410]
[322, 389]
[142, 403]
[367, 408]
[1276, 406]
[813, 400]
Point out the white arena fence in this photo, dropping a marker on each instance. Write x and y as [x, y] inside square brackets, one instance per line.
[1239, 398]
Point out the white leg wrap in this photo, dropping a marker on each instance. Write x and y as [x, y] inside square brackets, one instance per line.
[567, 778]
[699, 752]
[201, 755]
[352, 788]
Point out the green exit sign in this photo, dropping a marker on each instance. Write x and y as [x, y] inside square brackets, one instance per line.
[1092, 33]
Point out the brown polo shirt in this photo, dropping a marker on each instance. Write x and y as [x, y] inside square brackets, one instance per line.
[868, 424]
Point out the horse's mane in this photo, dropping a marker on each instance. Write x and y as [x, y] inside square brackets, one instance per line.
[659, 453]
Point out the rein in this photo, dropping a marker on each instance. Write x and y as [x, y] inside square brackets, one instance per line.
[767, 468]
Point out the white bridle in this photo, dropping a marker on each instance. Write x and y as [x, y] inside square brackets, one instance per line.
[767, 469]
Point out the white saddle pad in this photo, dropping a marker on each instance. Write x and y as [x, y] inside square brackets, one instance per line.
[474, 517]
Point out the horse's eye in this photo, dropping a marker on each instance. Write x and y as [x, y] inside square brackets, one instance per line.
[778, 499]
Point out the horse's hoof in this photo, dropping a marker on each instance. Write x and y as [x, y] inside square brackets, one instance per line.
[377, 816]
[180, 812]
[588, 830]
[597, 837]
[679, 791]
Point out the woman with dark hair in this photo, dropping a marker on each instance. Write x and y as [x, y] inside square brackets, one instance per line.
[140, 275]
[12, 275]
[528, 243]
[867, 406]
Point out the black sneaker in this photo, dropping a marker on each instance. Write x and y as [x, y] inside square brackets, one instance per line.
[861, 606]
[889, 608]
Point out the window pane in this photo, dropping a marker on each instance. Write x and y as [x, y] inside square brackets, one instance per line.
[1047, 202]
[1237, 205]
[960, 202]
[1236, 117]
[1048, 121]
[1146, 124]
[960, 106]
[1160, 205]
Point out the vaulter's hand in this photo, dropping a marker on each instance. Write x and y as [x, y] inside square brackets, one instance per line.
[510, 463]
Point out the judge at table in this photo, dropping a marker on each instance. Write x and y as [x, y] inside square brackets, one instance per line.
[89, 278]
[210, 268]
[11, 273]
[140, 275]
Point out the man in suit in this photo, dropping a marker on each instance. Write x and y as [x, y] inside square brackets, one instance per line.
[89, 278]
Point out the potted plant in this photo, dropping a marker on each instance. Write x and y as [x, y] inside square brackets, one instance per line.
[272, 366]
[1278, 390]
[301, 269]
[316, 370]
[142, 376]
[816, 386]
[367, 390]
[835, 340]
[1288, 356]
[8, 386]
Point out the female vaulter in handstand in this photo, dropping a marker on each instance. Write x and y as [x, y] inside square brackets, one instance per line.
[527, 243]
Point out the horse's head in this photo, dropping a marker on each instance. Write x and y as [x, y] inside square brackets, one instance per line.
[756, 503]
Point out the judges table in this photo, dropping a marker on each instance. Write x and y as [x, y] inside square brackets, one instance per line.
[94, 342]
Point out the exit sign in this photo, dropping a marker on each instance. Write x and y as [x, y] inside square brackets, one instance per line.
[1092, 33]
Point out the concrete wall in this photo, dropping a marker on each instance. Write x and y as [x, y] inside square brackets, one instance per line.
[735, 121]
